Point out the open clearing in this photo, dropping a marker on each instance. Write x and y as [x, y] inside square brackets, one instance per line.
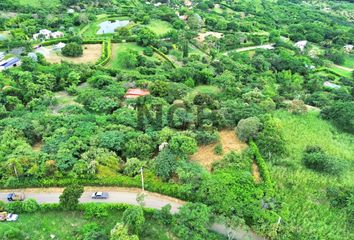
[159, 27]
[229, 141]
[92, 53]
[202, 36]
[40, 3]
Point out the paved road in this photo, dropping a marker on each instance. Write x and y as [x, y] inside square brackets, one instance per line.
[125, 195]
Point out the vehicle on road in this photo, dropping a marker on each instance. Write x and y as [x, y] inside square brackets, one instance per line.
[9, 217]
[15, 197]
[100, 195]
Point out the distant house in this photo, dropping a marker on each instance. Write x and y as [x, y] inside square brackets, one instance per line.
[2, 56]
[59, 46]
[47, 34]
[70, 11]
[9, 63]
[331, 85]
[348, 48]
[301, 45]
[135, 93]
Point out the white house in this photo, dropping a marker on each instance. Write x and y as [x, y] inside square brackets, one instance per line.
[331, 85]
[348, 48]
[59, 46]
[9, 63]
[47, 34]
[301, 45]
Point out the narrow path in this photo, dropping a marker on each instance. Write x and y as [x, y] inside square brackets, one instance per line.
[265, 46]
[343, 68]
[126, 195]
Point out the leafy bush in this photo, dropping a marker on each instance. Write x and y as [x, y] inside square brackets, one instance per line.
[94, 210]
[248, 128]
[72, 49]
[30, 205]
[15, 207]
[164, 215]
[133, 166]
[69, 199]
[134, 219]
[316, 159]
[341, 197]
[218, 149]
[342, 115]
[148, 51]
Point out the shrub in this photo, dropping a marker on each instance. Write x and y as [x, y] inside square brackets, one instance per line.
[164, 215]
[316, 159]
[133, 166]
[30, 205]
[2, 206]
[94, 210]
[120, 232]
[248, 128]
[15, 207]
[340, 197]
[148, 51]
[218, 149]
[72, 49]
[69, 199]
[134, 219]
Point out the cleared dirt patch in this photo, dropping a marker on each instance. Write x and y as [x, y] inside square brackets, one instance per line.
[255, 172]
[206, 156]
[37, 147]
[92, 53]
[64, 99]
[201, 36]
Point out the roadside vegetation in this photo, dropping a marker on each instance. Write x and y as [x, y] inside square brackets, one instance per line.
[251, 124]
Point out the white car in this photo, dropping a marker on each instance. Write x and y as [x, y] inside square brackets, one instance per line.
[11, 217]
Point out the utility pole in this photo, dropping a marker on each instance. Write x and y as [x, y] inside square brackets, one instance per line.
[142, 179]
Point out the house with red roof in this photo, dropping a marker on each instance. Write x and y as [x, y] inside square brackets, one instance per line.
[135, 93]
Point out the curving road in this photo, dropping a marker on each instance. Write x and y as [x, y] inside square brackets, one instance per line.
[265, 46]
[125, 195]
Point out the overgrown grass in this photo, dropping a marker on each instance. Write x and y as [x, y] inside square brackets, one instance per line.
[306, 210]
[342, 72]
[207, 89]
[349, 61]
[159, 27]
[40, 3]
[67, 225]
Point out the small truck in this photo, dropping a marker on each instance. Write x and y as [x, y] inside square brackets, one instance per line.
[9, 217]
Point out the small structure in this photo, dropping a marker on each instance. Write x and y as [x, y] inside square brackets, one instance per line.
[331, 85]
[301, 45]
[348, 48]
[70, 11]
[135, 93]
[12, 62]
[47, 34]
[59, 46]
[2, 55]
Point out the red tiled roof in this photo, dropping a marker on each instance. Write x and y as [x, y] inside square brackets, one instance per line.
[136, 92]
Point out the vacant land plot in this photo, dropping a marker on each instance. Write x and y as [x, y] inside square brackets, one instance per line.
[229, 141]
[159, 27]
[120, 50]
[92, 53]
[349, 61]
[202, 89]
[201, 36]
[70, 225]
[40, 3]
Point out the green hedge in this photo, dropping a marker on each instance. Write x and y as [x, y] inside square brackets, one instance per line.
[263, 168]
[106, 53]
[164, 56]
[152, 183]
[328, 70]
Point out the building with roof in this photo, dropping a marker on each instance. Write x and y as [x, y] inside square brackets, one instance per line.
[331, 85]
[301, 45]
[47, 34]
[348, 48]
[9, 63]
[135, 93]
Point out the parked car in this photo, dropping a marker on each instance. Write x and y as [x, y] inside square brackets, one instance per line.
[15, 197]
[100, 195]
[11, 217]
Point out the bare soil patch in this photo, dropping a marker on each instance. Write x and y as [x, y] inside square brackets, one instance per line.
[92, 53]
[37, 147]
[255, 172]
[201, 36]
[230, 142]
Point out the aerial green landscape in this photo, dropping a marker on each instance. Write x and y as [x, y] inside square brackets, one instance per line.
[176, 119]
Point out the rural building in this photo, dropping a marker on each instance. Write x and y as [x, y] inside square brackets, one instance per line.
[9, 63]
[47, 34]
[331, 85]
[135, 93]
[348, 48]
[59, 46]
[301, 45]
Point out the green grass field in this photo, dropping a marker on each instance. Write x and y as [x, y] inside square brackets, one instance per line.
[40, 3]
[304, 191]
[92, 28]
[349, 61]
[159, 27]
[202, 89]
[68, 225]
[120, 50]
[342, 72]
